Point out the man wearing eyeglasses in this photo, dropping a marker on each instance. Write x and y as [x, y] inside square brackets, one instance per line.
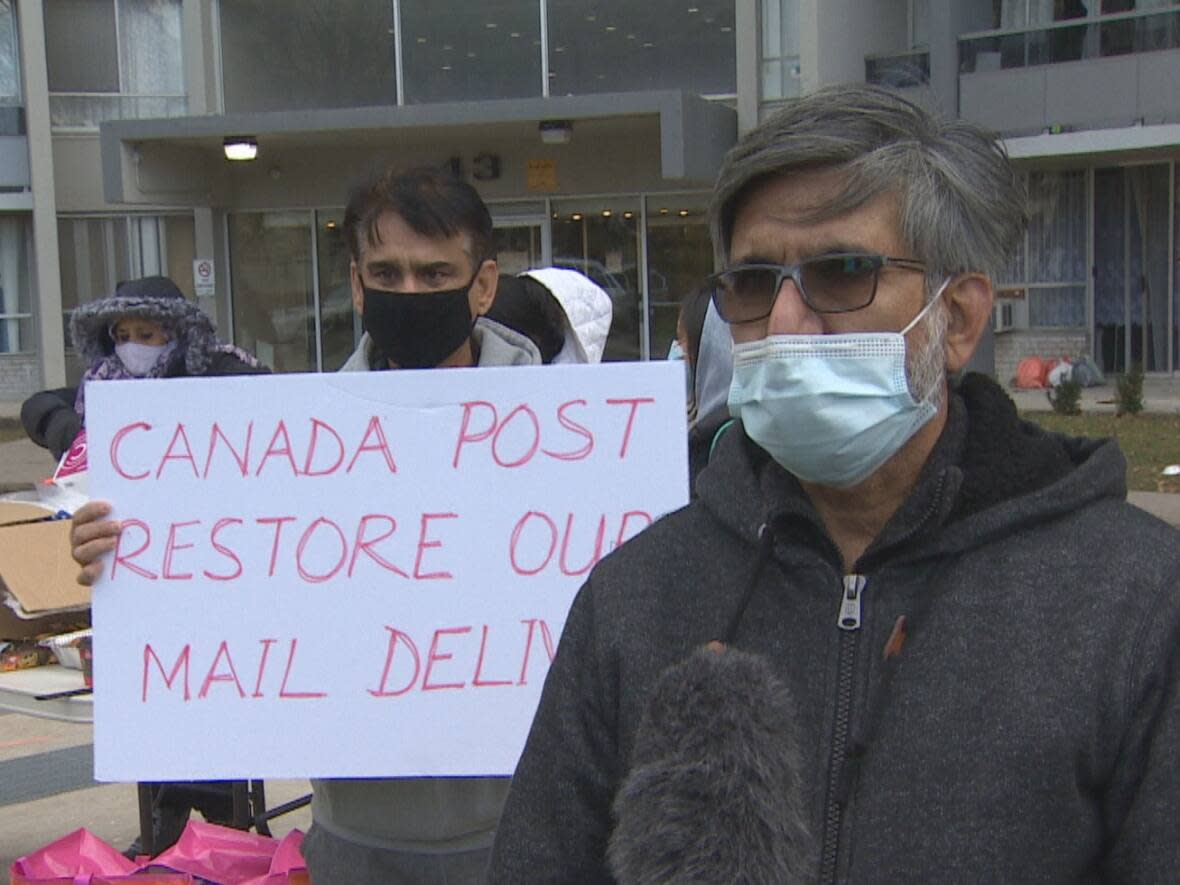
[939, 644]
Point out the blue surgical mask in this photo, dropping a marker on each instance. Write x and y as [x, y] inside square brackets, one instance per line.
[831, 409]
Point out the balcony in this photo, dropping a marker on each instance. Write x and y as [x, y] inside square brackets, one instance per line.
[1094, 73]
[86, 110]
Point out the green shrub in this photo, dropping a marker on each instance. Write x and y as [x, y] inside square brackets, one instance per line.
[1066, 397]
[1130, 391]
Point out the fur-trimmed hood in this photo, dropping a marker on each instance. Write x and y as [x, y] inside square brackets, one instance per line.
[150, 298]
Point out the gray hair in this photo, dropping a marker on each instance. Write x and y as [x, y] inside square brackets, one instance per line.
[963, 206]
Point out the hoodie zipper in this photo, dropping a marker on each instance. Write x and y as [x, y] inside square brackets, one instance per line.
[848, 621]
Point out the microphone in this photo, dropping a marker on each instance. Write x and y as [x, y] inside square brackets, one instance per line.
[714, 793]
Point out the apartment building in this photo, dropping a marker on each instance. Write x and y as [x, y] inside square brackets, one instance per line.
[592, 129]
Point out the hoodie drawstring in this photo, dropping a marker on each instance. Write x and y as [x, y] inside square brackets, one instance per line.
[765, 550]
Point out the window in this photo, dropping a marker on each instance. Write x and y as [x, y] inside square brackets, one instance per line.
[339, 323]
[623, 46]
[1050, 267]
[96, 253]
[679, 257]
[599, 237]
[273, 295]
[492, 49]
[780, 49]
[10, 92]
[16, 307]
[1038, 32]
[110, 59]
[307, 54]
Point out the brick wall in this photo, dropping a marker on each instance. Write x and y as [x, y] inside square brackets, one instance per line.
[1012, 347]
[20, 375]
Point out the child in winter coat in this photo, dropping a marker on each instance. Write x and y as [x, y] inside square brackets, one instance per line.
[147, 329]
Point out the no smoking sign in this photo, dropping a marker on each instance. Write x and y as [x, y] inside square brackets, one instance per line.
[203, 277]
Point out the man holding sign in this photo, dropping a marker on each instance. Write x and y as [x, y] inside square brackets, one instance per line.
[423, 277]
[902, 636]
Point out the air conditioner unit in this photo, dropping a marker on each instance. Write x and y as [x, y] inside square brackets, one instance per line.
[1003, 316]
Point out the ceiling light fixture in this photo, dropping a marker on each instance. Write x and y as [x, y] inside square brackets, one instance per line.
[240, 147]
[556, 131]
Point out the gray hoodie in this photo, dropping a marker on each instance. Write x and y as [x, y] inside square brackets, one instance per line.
[1003, 707]
[422, 815]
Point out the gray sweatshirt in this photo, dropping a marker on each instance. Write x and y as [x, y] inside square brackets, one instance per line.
[1024, 727]
[424, 815]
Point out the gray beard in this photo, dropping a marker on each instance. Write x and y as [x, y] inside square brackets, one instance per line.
[926, 361]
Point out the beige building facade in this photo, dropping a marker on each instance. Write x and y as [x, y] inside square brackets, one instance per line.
[593, 130]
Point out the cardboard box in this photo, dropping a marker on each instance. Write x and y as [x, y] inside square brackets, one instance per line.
[39, 592]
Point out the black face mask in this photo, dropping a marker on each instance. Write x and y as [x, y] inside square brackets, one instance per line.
[417, 331]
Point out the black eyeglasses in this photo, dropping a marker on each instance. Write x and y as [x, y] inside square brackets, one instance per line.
[827, 283]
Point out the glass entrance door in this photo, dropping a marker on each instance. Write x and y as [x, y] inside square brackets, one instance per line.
[1132, 317]
[519, 245]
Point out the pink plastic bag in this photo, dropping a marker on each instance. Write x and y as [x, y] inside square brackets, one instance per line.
[81, 858]
[235, 857]
[1030, 373]
[218, 854]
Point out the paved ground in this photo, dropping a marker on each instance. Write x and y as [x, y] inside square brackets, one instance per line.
[46, 789]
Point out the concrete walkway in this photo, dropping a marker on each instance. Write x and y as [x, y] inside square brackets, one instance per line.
[22, 465]
[46, 790]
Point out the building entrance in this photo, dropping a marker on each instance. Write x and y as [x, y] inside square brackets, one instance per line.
[1134, 317]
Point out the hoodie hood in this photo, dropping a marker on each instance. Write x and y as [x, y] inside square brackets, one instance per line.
[588, 312]
[714, 368]
[989, 475]
[151, 298]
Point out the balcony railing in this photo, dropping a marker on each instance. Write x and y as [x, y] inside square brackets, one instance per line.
[86, 110]
[1075, 40]
[901, 70]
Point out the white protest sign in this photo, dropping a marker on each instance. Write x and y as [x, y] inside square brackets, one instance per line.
[357, 574]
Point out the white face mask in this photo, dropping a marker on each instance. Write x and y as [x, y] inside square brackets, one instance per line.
[140, 359]
[830, 409]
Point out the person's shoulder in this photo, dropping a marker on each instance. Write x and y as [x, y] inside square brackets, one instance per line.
[1125, 535]
[225, 362]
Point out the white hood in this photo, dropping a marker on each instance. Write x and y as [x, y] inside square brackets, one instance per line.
[588, 313]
